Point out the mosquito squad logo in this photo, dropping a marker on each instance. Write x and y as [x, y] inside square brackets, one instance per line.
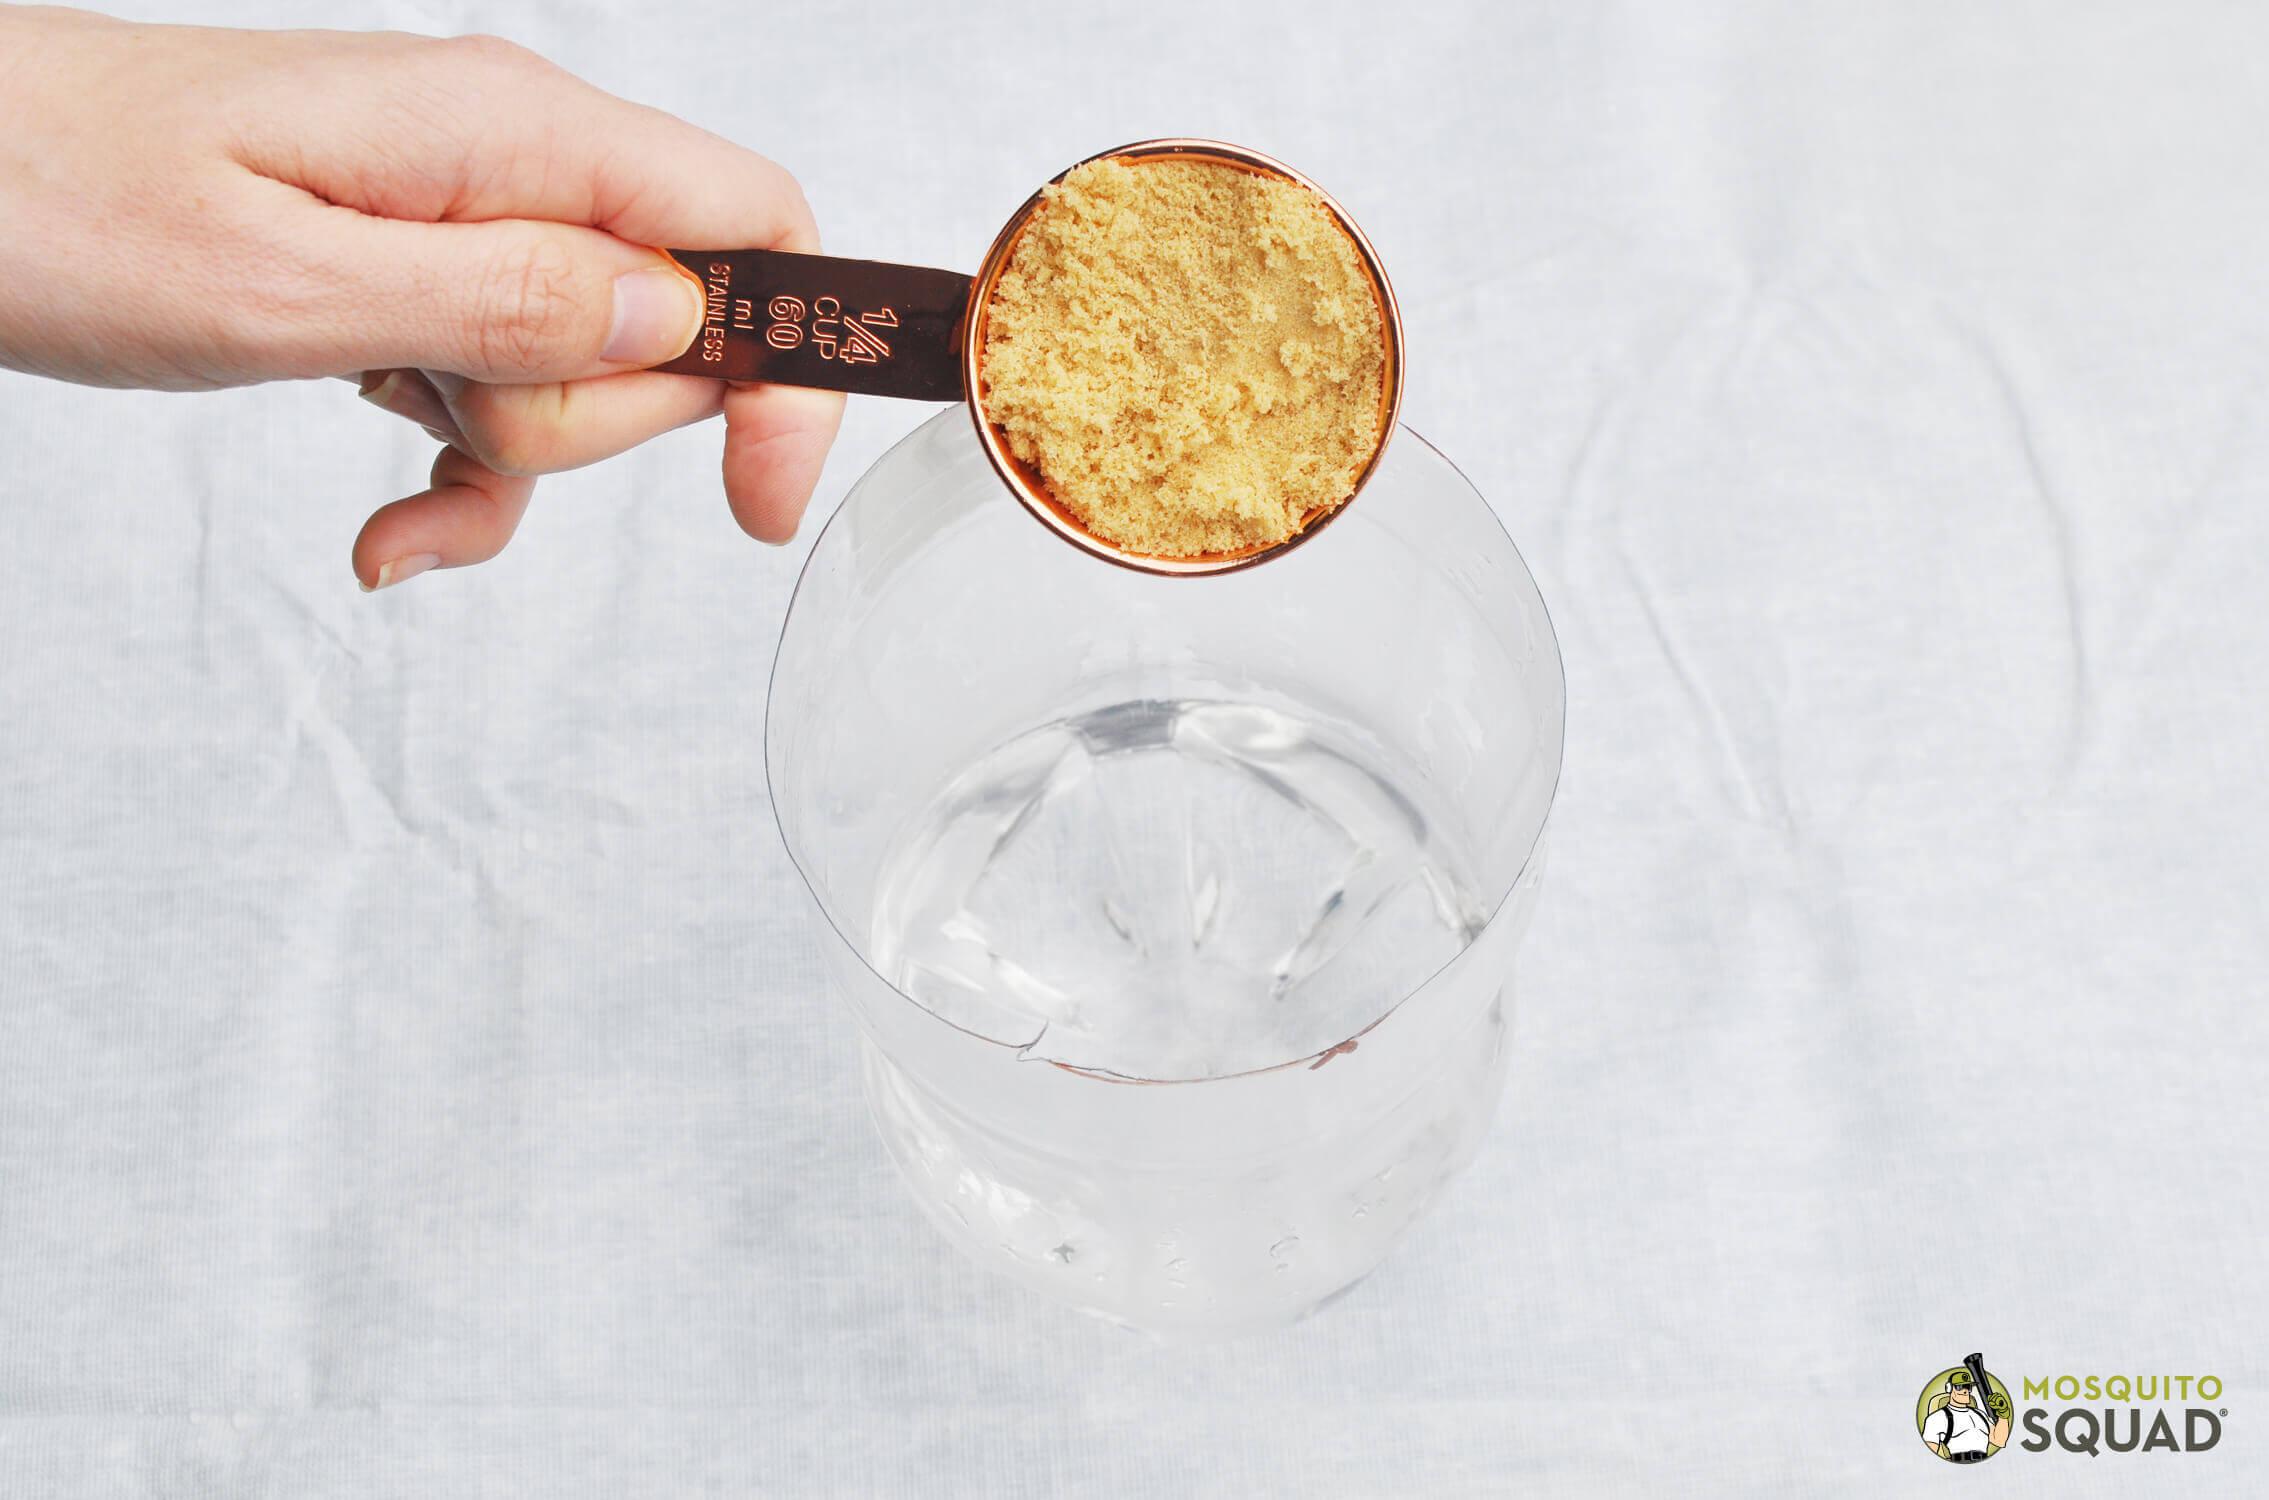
[1966, 1415]
[2124, 1414]
[1963, 1412]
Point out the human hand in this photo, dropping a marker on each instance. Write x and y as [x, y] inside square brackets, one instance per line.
[458, 224]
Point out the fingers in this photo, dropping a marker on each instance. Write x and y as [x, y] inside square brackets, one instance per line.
[468, 207]
[509, 301]
[546, 429]
[776, 440]
[466, 517]
[410, 395]
[501, 437]
[473, 128]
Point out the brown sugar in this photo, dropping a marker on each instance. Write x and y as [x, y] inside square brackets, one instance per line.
[1191, 355]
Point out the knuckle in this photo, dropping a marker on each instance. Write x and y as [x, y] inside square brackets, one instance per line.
[531, 310]
[511, 458]
[510, 452]
[500, 434]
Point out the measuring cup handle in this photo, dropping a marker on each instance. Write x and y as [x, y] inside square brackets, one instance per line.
[815, 320]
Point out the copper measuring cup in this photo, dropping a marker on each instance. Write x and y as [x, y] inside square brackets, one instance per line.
[873, 328]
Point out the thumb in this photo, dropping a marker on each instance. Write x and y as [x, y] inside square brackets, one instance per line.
[508, 300]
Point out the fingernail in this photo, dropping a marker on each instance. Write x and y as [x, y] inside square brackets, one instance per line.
[450, 384]
[404, 393]
[400, 568]
[657, 311]
[378, 387]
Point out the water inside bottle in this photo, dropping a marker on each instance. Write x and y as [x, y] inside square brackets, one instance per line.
[1179, 889]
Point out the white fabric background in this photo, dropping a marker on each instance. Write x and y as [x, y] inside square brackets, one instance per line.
[415, 1077]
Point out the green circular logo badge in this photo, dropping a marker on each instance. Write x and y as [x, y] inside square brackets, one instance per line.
[1963, 1413]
